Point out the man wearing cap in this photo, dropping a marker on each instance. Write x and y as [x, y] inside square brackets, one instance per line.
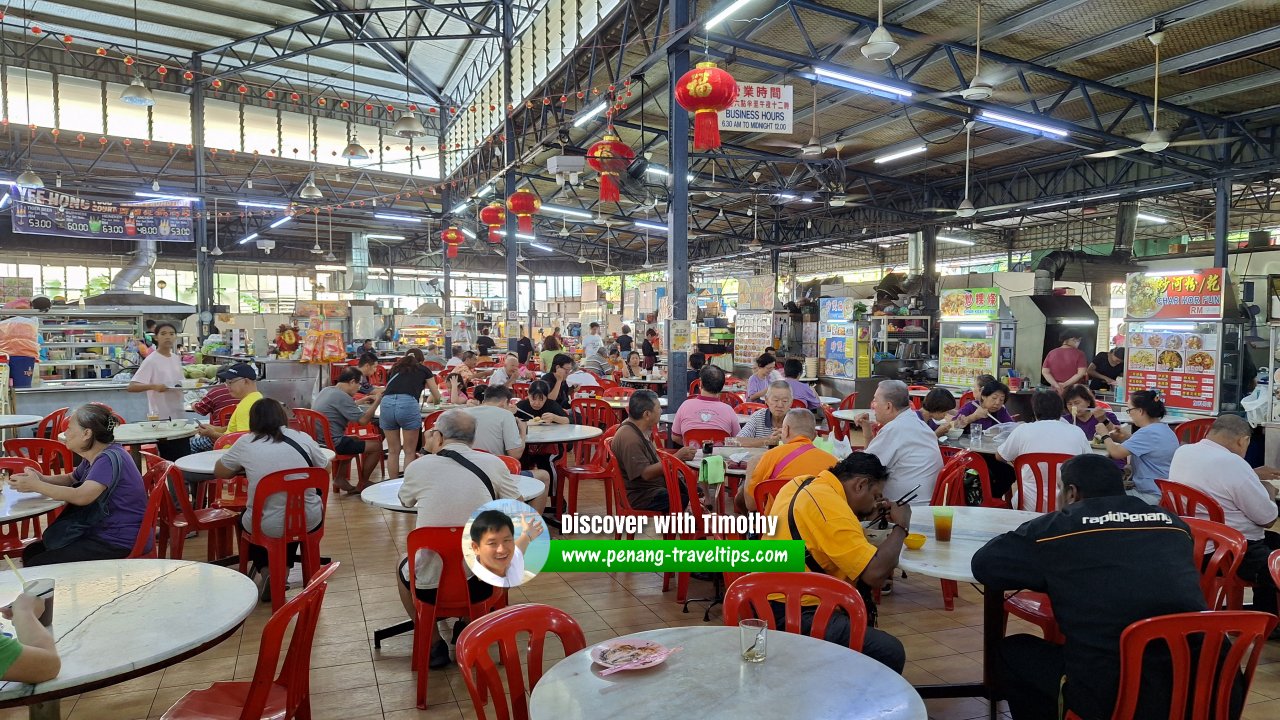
[242, 382]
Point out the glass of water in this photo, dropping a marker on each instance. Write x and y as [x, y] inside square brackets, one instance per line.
[753, 633]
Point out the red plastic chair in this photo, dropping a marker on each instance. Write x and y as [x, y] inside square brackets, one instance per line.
[513, 465]
[1193, 431]
[219, 522]
[286, 696]
[695, 387]
[1104, 406]
[617, 392]
[698, 436]
[453, 597]
[731, 399]
[52, 456]
[1044, 468]
[1273, 564]
[798, 405]
[1187, 501]
[429, 421]
[1236, 637]
[317, 426]
[594, 412]
[156, 498]
[765, 491]
[622, 503]
[1218, 569]
[917, 401]
[50, 425]
[293, 484]
[221, 417]
[520, 389]
[750, 408]
[589, 463]
[849, 401]
[16, 535]
[748, 597]
[501, 628]
[227, 440]
[834, 428]
[965, 399]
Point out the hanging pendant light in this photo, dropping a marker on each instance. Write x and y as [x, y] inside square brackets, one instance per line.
[137, 93]
[330, 257]
[309, 190]
[216, 250]
[316, 249]
[408, 126]
[354, 150]
[29, 180]
[880, 45]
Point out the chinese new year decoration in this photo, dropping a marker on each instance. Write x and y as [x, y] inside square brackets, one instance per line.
[609, 157]
[705, 91]
[287, 338]
[453, 239]
[524, 204]
[494, 216]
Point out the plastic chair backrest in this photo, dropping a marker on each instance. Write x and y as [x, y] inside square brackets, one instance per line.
[949, 489]
[501, 628]
[765, 491]
[1193, 431]
[1187, 501]
[1044, 468]
[293, 484]
[849, 401]
[748, 597]
[750, 408]
[1273, 565]
[429, 421]
[732, 399]
[917, 401]
[157, 495]
[513, 465]
[156, 470]
[1103, 405]
[798, 405]
[227, 440]
[295, 672]
[221, 417]
[316, 425]
[677, 472]
[1218, 570]
[50, 425]
[520, 389]
[15, 465]
[52, 455]
[697, 436]
[617, 392]
[965, 399]
[445, 541]
[594, 412]
[433, 366]
[833, 425]
[695, 387]
[1230, 643]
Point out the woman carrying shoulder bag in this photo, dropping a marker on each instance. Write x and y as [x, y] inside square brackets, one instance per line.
[105, 496]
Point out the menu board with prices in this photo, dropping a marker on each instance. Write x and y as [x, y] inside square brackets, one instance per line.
[960, 360]
[753, 332]
[1192, 295]
[1183, 366]
[757, 293]
[970, 304]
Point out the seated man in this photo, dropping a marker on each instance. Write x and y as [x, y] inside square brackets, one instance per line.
[1216, 467]
[509, 372]
[1106, 560]
[367, 365]
[764, 427]
[638, 457]
[598, 361]
[705, 410]
[447, 486]
[500, 433]
[242, 382]
[796, 456]
[338, 406]
[906, 446]
[216, 399]
[31, 657]
[826, 511]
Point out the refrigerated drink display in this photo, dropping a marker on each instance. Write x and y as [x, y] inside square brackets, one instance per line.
[842, 340]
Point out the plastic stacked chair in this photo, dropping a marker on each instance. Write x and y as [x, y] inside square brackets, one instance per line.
[748, 597]
[1193, 431]
[288, 695]
[157, 497]
[17, 535]
[317, 426]
[51, 425]
[52, 456]
[222, 416]
[520, 390]
[618, 393]
[750, 408]
[1035, 607]
[916, 401]
[698, 436]
[765, 491]
[219, 522]
[1219, 570]
[1187, 501]
[589, 463]
[294, 485]
[594, 412]
[732, 399]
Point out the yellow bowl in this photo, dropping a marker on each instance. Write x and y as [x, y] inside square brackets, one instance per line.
[914, 541]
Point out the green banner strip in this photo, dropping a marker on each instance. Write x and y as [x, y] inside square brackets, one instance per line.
[675, 556]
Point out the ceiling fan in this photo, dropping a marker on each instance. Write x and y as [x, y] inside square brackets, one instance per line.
[966, 208]
[1156, 140]
[983, 87]
[814, 148]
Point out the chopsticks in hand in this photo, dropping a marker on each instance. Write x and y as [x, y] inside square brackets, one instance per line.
[883, 518]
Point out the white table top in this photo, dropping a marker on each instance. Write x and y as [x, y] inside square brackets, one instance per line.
[17, 421]
[829, 400]
[139, 433]
[426, 408]
[386, 494]
[142, 619]
[644, 381]
[669, 418]
[989, 446]
[16, 505]
[971, 528]
[202, 463]
[802, 677]
[852, 415]
[552, 433]
[620, 404]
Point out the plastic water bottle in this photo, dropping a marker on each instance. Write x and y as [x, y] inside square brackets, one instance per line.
[1119, 389]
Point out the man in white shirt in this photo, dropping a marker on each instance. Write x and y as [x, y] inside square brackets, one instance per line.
[1048, 434]
[446, 490]
[905, 445]
[499, 555]
[508, 373]
[592, 342]
[1216, 467]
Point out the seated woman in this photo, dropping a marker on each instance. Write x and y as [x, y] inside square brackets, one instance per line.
[538, 405]
[986, 410]
[105, 491]
[938, 408]
[272, 446]
[1084, 413]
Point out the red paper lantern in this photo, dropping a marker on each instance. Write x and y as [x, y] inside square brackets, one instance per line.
[705, 91]
[609, 157]
[453, 238]
[494, 216]
[524, 204]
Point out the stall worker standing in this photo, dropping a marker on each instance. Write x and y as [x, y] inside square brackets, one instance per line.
[1065, 365]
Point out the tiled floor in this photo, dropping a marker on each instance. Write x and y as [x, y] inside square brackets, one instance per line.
[352, 681]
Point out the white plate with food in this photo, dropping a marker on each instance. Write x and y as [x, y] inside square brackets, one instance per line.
[614, 653]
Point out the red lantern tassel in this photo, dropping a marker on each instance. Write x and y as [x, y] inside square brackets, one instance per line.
[525, 223]
[494, 237]
[609, 187]
[706, 130]
[451, 251]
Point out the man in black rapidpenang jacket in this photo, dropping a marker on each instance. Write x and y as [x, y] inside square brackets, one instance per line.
[1106, 560]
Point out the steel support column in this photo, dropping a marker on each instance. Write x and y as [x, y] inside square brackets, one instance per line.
[774, 256]
[929, 246]
[1221, 218]
[678, 214]
[446, 293]
[509, 179]
[204, 261]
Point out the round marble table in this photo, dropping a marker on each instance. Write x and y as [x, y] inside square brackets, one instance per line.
[386, 494]
[852, 415]
[202, 463]
[829, 400]
[802, 677]
[989, 446]
[656, 384]
[553, 433]
[8, 422]
[16, 505]
[621, 404]
[141, 433]
[114, 620]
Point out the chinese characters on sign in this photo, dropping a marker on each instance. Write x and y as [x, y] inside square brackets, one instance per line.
[1183, 366]
[759, 108]
[48, 212]
[1191, 295]
[971, 304]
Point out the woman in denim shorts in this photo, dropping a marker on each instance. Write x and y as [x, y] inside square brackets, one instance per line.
[400, 415]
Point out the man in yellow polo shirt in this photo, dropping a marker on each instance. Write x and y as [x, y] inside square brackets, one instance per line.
[824, 511]
[796, 456]
[242, 382]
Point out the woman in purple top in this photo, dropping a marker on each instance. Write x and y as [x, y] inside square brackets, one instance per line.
[987, 410]
[758, 383]
[791, 369]
[936, 410]
[1084, 413]
[106, 468]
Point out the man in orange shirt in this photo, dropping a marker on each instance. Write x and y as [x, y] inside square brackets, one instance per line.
[796, 456]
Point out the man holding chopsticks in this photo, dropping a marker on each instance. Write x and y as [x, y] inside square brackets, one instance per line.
[906, 446]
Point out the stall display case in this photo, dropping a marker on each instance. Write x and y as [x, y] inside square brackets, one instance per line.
[904, 337]
[975, 336]
[420, 336]
[85, 343]
[844, 346]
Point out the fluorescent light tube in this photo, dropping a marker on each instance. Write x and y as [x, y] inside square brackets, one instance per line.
[571, 212]
[397, 218]
[269, 206]
[1152, 218]
[526, 236]
[386, 237]
[540, 246]
[657, 170]
[589, 115]
[650, 226]
[459, 208]
[468, 233]
[247, 239]
[281, 221]
[1020, 124]
[957, 241]
[901, 154]
[485, 191]
[721, 16]
[162, 196]
[857, 83]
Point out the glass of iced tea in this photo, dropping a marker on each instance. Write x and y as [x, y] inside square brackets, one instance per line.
[942, 517]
